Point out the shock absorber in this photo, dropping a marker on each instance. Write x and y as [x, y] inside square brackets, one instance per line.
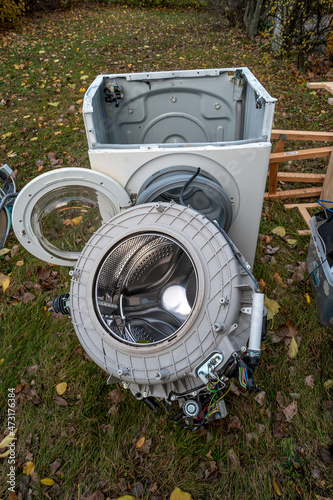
[61, 304]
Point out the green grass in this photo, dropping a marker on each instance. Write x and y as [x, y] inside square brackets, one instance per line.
[42, 64]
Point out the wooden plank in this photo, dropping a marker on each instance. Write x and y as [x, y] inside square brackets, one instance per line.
[300, 177]
[327, 191]
[274, 167]
[305, 214]
[316, 85]
[304, 232]
[294, 193]
[296, 205]
[306, 135]
[302, 154]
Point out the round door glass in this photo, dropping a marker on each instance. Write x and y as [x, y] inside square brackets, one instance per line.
[65, 218]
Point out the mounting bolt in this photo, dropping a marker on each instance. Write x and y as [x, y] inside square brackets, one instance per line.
[125, 385]
[130, 111]
[173, 397]
[217, 106]
[173, 99]
[145, 394]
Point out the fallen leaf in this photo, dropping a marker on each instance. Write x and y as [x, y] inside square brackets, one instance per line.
[325, 455]
[61, 388]
[278, 399]
[309, 380]
[272, 307]
[286, 329]
[271, 250]
[328, 385]
[19, 263]
[47, 481]
[297, 277]
[53, 104]
[4, 251]
[291, 242]
[178, 494]
[293, 349]
[260, 398]
[234, 460]
[262, 284]
[8, 134]
[234, 423]
[60, 401]
[27, 297]
[97, 496]
[126, 497]
[278, 432]
[8, 439]
[140, 443]
[276, 487]
[5, 284]
[55, 465]
[77, 220]
[5, 454]
[278, 278]
[28, 468]
[290, 411]
[115, 396]
[146, 446]
[279, 230]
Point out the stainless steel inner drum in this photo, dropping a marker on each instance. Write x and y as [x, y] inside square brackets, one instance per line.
[145, 289]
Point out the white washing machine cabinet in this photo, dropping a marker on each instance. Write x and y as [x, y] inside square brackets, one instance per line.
[161, 232]
[151, 131]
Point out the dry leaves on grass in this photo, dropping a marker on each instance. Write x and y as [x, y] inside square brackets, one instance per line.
[61, 388]
[285, 330]
[272, 307]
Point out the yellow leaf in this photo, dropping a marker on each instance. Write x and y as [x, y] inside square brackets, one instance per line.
[1, 361]
[77, 220]
[291, 242]
[5, 454]
[4, 251]
[8, 439]
[53, 104]
[61, 388]
[8, 134]
[276, 488]
[140, 443]
[34, 139]
[293, 349]
[178, 494]
[19, 263]
[16, 66]
[5, 284]
[41, 52]
[83, 77]
[28, 468]
[328, 384]
[82, 90]
[279, 230]
[307, 296]
[57, 133]
[272, 307]
[126, 497]
[47, 481]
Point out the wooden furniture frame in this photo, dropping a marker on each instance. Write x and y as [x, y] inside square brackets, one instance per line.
[280, 156]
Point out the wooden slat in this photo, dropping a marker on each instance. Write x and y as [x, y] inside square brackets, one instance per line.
[274, 167]
[294, 193]
[327, 191]
[316, 85]
[303, 135]
[296, 205]
[302, 154]
[300, 177]
[304, 232]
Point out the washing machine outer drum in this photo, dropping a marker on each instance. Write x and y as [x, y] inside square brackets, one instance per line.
[203, 194]
[108, 292]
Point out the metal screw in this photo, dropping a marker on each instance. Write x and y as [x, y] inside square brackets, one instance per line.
[173, 99]
[217, 106]
[145, 394]
[125, 385]
[130, 111]
[173, 398]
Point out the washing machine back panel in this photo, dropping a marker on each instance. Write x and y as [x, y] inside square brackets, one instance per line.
[184, 107]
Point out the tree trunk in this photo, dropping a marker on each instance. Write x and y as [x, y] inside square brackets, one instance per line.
[252, 17]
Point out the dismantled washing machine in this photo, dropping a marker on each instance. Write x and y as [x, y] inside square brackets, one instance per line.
[162, 233]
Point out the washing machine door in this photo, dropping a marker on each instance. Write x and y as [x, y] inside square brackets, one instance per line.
[56, 213]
